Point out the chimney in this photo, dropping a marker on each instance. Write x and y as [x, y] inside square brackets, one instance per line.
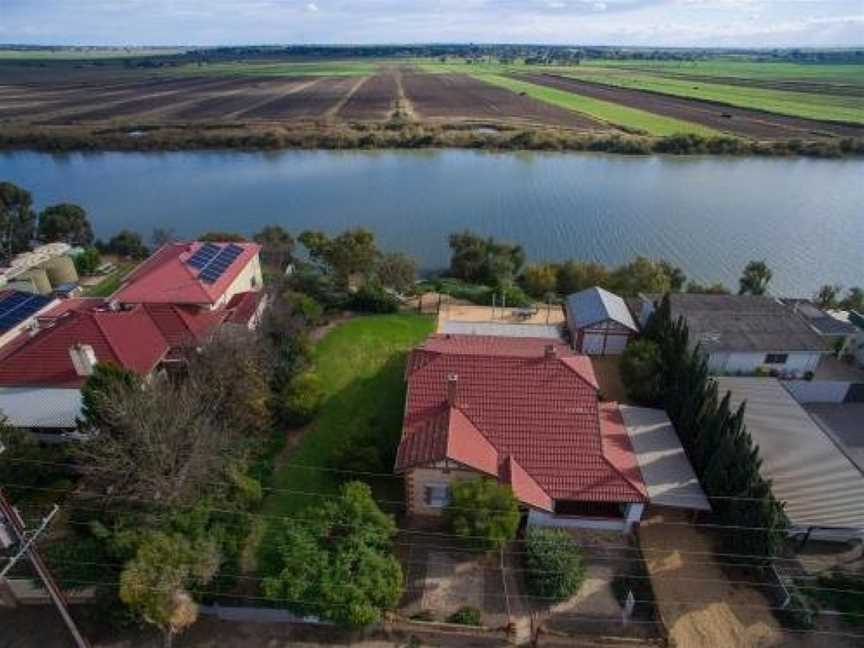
[83, 358]
[452, 389]
[551, 351]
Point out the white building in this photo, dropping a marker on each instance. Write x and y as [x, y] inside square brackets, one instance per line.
[746, 334]
[599, 321]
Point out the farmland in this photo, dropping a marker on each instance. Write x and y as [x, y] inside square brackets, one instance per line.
[177, 100]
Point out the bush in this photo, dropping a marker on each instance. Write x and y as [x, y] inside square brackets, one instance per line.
[301, 399]
[373, 299]
[467, 615]
[640, 371]
[87, 262]
[423, 615]
[553, 563]
[483, 512]
[511, 296]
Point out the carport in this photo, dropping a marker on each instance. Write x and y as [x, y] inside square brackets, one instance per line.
[665, 468]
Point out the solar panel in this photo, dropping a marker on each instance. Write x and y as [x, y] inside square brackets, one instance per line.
[203, 255]
[19, 307]
[219, 263]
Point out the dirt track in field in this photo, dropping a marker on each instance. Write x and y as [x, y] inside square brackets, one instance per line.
[459, 96]
[736, 121]
[373, 100]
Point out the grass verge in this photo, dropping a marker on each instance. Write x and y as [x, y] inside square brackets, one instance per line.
[111, 283]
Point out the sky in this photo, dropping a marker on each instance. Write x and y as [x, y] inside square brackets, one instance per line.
[688, 23]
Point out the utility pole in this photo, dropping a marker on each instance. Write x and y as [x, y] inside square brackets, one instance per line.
[11, 520]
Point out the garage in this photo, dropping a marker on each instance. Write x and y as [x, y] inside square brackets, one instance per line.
[599, 321]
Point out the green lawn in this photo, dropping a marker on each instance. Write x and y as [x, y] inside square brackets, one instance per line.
[111, 283]
[281, 68]
[361, 362]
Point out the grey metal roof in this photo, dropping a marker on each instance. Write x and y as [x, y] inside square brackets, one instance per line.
[501, 329]
[594, 305]
[818, 482]
[40, 407]
[746, 323]
[823, 322]
[666, 470]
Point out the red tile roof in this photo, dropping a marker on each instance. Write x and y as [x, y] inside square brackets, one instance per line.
[183, 325]
[534, 402]
[127, 338]
[166, 278]
[243, 307]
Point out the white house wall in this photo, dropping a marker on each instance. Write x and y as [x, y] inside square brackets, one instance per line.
[732, 363]
[632, 515]
[250, 279]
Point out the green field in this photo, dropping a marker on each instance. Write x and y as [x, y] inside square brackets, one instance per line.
[612, 113]
[850, 74]
[281, 68]
[799, 104]
[86, 54]
[361, 363]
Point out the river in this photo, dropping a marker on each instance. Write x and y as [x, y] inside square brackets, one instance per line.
[710, 215]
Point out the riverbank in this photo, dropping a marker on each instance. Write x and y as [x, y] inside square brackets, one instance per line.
[398, 135]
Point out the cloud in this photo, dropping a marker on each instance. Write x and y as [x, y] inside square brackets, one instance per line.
[586, 22]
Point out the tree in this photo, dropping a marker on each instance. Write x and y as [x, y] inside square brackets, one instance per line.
[161, 236]
[397, 271]
[539, 280]
[676, 275]
[108, 384]
[695, 287]
[277, 247]
[67, 223]
[352, 252]
[642, 275]
[127, 244]
[826, 296]
[553, 564]
[854, 300]
[17, 219]
[301, 399]
[574, 276]
[87, 262]
[755, 279]
[155, 584]
[640, 371]
[483, 512]
[480, 260]
[337, 563]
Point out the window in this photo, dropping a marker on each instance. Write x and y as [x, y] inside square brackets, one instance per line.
[776, 358]
[572, 508]
[436, 495]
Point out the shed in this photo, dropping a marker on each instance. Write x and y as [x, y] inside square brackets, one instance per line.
[821, 486]
[666, 470]
[599, 321]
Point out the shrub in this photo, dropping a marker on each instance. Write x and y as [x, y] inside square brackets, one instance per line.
[467, 615]
[87, 262]
[301, 399]
[483, 512]
[423, 615]
[553, 563]
[511, 296]
[373, 299]
[640, 371]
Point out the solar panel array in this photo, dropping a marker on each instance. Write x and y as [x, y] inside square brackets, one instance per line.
[219, 263]
[18, 307]
[204, 255]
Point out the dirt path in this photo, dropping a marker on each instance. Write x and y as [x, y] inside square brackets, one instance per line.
[404, 109]
[714, 611]
[345, 99]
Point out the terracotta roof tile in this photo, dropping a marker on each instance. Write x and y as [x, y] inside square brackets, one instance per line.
[528, 404]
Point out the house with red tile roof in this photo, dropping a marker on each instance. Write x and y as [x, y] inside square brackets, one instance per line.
[523, 411]
[175, 301]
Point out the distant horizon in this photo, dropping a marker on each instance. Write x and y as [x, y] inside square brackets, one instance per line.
[640, 23]
[706, 48]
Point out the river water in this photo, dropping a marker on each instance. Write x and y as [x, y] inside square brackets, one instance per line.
[710, 215]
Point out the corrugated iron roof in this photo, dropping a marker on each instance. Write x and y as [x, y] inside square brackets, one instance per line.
[594, 305]
[666, 470]
[819, 484]
[39, 407]
[501, 329]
